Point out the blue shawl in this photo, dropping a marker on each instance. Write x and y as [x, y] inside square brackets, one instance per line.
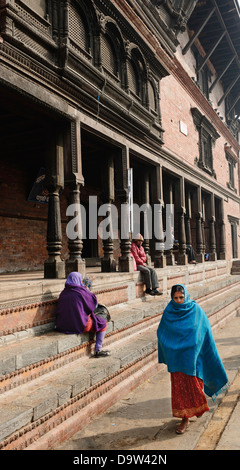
[186, 344]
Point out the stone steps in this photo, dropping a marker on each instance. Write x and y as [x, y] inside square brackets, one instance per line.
[22, 357]
[47, 379]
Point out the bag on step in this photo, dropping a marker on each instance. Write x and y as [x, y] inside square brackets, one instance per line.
[103, 312]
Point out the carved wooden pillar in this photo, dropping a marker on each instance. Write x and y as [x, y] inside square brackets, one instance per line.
[203, 226]
[188, 218]
[108, 263]
[222, 231]
[212, 233]
[122, 164]
[54, 267]
[199, 231]
[181, 211]
[160, 258]
[74, 179]
[75, 244]
[169, 254]
[146, 199]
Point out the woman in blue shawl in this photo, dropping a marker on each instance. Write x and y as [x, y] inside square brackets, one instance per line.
[75, 312]
[186, 345]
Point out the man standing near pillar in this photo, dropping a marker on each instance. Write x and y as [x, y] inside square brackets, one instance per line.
[149, 274]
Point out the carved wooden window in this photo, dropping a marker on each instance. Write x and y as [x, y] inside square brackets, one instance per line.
[109, 58]
[78, 31]
[133, 82]
[152, 97]
[231, 167]
[207, 137]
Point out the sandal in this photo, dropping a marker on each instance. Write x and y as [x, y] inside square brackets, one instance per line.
[181, 428]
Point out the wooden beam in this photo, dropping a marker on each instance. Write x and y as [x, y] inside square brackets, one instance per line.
[198, 31]
[229, 89]
[222, 73]
[234, 103]
[210, 52]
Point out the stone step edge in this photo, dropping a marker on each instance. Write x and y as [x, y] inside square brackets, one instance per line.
[32, 371]
[94, 388]
[33, 315]
[127, 378]
[36, 328]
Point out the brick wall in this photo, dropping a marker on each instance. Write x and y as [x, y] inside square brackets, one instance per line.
[23, 224]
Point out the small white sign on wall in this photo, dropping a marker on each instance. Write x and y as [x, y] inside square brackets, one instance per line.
[183, 127]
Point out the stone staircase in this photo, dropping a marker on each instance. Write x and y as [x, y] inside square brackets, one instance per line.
[51, 386]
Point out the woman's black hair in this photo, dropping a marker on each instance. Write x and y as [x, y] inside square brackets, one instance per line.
[177, 288]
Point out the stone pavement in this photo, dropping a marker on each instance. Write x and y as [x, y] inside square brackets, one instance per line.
[142, 420]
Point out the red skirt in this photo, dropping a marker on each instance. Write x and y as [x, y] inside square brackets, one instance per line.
[188, 398]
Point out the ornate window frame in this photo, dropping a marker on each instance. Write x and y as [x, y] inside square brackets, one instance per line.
[207, 138]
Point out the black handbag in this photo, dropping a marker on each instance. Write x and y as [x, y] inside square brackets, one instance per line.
[103, 312]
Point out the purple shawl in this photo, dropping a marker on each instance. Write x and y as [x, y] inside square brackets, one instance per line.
[75, 304]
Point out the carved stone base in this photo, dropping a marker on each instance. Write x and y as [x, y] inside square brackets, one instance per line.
[108, 265]
[54, 269]
[126, 265]
[182, 259]
[170, 258]
[77, 265]
[199, 257]
[160, 261]
[222, 255]
[213, 257]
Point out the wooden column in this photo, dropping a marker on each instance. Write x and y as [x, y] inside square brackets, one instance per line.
[212, 233]
[108, 263]
[222, 231]
[146, 196]
[125, 262]
[169, 253]
[54, 267]
[74, 179]
[199, 231]
[181, 211]
[188, 218]
[160, 258]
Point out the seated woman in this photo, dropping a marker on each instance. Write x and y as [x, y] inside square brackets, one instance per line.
[140, 264]
[75, 312]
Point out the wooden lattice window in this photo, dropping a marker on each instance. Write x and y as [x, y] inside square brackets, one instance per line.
[152, 97]
[133, 81]
[109, 59]
[78, 33]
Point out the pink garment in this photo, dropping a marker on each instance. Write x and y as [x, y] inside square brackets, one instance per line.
[138, 254]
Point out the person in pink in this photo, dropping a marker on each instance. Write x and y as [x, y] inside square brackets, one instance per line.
[140, 263]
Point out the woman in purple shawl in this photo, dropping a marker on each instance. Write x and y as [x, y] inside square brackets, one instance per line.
[75, 312]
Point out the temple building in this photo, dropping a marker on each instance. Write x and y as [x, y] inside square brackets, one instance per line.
[93, 88]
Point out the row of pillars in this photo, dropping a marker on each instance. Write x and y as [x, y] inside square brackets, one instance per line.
[55, 267]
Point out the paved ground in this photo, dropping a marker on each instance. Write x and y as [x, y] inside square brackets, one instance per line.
[143, 419]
